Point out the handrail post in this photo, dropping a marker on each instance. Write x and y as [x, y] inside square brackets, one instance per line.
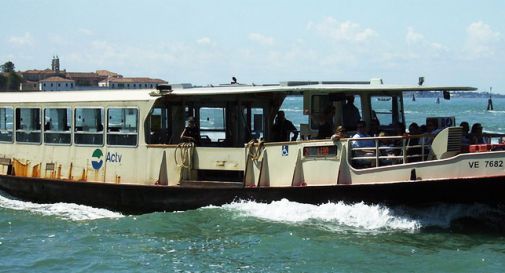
[376, 152]
[404, 150]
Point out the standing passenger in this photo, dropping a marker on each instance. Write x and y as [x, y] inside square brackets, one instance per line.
[283, 128]
[191, 133]
[351, 114]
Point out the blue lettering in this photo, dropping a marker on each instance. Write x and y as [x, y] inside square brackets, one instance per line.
[113, 157]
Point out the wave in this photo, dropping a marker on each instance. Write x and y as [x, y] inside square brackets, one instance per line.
[333, 216]
[376, 218]
[68, 211]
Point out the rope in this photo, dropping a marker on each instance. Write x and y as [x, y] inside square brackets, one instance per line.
[252, 153]
[184, 151]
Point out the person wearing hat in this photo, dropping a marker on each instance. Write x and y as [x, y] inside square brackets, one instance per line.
[191, 133]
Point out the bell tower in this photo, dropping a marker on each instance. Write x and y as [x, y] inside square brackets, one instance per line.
[55, 64]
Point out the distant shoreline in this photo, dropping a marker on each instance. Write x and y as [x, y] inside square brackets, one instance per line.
[454, 95]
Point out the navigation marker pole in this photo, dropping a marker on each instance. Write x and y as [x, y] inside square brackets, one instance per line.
[490, 101]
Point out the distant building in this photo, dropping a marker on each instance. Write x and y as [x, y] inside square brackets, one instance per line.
[56, 84]
[29, 86]
[38, 75]
[56, 79]
[85, 78]
[131, 83]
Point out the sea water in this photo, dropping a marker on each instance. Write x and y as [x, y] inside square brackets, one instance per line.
[281, 236]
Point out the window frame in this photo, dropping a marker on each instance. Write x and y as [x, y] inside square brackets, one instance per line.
[74, 127]
[29, 131]
[13, 120]
[210, 141]
[70, 132]
[395, 105]
[137, 124]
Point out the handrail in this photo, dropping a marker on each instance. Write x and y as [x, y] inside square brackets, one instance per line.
[375, 154]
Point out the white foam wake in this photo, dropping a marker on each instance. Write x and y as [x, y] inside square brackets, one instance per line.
[62, 210]
[330, 215]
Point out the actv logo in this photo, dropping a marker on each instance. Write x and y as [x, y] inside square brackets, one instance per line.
[98, 162]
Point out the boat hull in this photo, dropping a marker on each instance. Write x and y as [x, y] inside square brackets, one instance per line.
[136, 199]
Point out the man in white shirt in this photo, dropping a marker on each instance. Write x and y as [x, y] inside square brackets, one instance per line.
[367, 143]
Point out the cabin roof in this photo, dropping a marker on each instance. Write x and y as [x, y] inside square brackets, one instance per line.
[76, 96]
[337, 88]
[150, 94]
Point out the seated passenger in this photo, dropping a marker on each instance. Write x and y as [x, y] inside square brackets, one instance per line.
[374, 127]
[413, 153]
[339, 133]
[432, 129]
[388, 149]
[369, 143]
[282, 128]
[476, 136]
[465, 137]
[191, 133]
[360, 133]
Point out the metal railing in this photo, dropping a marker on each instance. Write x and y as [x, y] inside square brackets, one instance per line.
[390, 150]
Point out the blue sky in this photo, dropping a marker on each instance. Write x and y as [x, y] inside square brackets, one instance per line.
[201, 42]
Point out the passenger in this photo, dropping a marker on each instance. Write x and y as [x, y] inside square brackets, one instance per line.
[374, 127]
[414, 131]
[387, 150]
[465, 137]
[351, 115]
[369, 143]
[282, 128]
[422, 129]
[431, 129]
[191, 133]
[413, 153]
[399, 129]
[326, 127]
[339, 133]
[476, 136]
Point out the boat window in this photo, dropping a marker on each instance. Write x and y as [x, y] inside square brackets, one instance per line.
[319, 104]
[57, 124]
[212, 125]
[6, 124]
[88, 126]
[122, 126]
[28, 125]
[158, 130]
[387, 110]
[349, 113]
[257, 123]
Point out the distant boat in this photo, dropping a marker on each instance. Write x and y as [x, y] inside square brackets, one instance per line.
[384, 98]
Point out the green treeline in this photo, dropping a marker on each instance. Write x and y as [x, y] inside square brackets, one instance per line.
[9, 79]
